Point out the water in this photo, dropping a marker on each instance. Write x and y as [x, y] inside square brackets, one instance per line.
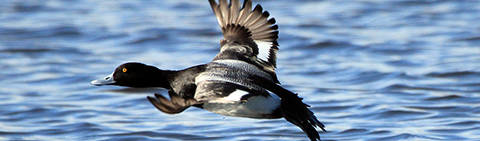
[371, 70]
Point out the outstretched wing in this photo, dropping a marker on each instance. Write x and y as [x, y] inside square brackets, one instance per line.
[248, 34]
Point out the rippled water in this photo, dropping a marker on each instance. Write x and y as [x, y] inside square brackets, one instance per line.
[371, 70]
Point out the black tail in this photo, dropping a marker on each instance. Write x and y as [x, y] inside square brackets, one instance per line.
[293, 109]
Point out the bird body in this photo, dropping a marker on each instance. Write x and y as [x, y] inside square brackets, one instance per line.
[240, 81]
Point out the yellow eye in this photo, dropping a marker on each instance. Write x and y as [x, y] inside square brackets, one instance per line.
[124, 69]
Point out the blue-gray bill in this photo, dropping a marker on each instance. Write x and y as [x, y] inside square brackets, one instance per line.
[105, 81]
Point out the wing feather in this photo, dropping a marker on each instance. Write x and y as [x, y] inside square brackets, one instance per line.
[249, 35]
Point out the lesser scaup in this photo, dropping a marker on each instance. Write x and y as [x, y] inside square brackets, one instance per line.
[240, 81]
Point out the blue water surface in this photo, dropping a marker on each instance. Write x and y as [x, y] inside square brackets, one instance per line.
[370, 69]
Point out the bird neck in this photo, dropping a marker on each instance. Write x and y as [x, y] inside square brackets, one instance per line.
[164, 78]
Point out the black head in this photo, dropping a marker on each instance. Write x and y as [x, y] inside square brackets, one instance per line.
[134, 75]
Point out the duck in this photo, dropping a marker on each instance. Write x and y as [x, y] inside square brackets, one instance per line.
[240, 81]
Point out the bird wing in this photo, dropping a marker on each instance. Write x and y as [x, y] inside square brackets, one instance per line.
[248, 34]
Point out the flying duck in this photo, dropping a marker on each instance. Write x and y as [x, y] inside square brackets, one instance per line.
[239, 82]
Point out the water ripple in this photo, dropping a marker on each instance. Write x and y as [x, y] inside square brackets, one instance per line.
[370, 70]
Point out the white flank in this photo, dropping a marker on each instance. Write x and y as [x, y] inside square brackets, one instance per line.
[235, 95]
[262, 104]
[254, 107]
